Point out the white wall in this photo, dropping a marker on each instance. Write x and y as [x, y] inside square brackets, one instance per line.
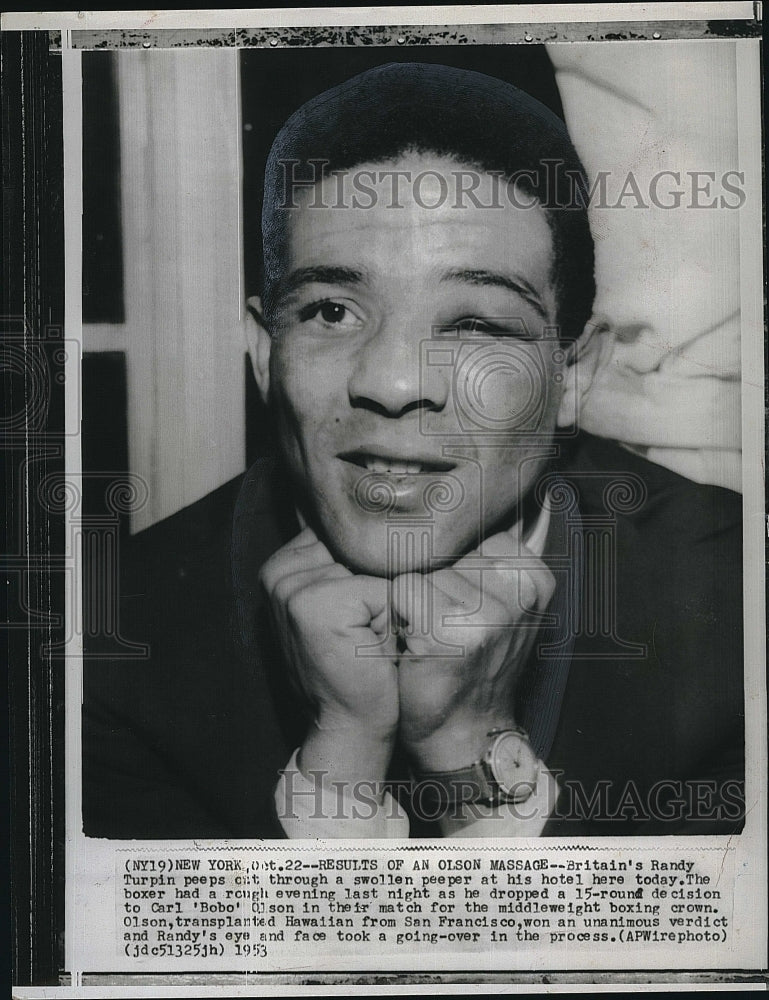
[180, 182]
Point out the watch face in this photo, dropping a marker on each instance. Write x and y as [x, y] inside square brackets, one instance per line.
[514, 765]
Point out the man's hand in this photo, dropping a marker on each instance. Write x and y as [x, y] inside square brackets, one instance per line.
[451, 697]
[322, 613]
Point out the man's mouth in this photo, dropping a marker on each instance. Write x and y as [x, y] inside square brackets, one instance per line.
[395, 465]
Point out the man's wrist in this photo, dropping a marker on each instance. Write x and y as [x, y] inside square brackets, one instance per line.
[345, 752]
[309, 809]
[453, 748]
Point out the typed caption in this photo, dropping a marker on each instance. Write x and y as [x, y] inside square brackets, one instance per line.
[257, 910]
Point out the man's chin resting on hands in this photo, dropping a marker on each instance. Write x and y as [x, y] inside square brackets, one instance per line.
[441, 688]
[400, 609]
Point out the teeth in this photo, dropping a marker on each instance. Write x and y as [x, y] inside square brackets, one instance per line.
[393, 468]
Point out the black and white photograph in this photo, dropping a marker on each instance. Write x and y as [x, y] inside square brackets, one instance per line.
[412, 496]
[490, 541]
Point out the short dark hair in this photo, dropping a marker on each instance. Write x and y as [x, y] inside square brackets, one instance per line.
[474, 119]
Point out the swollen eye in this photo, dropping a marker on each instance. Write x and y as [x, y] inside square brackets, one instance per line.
[472, 324]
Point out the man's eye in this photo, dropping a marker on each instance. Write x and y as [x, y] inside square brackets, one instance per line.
[512, 327]
[473, 324]
[330, 313]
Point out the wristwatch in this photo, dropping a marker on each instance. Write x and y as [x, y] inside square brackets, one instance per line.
[507, 772]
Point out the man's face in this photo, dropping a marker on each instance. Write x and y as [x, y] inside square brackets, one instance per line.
[410, 375]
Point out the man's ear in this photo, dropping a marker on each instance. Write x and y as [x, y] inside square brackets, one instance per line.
[259, 343]
[583, 359]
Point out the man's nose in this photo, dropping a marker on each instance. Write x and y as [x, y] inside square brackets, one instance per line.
[390, 374]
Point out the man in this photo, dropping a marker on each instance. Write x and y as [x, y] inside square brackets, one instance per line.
[407, 581]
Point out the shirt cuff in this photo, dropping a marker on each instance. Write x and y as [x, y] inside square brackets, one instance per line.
[309, 809]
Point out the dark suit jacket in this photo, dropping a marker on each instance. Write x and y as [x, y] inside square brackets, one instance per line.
[635, 697]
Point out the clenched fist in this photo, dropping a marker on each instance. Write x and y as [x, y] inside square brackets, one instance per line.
[449, 648]
[467, 631]
[322, 615]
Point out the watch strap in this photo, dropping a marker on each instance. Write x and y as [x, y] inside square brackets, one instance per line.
[446, 788]
[475, 783]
